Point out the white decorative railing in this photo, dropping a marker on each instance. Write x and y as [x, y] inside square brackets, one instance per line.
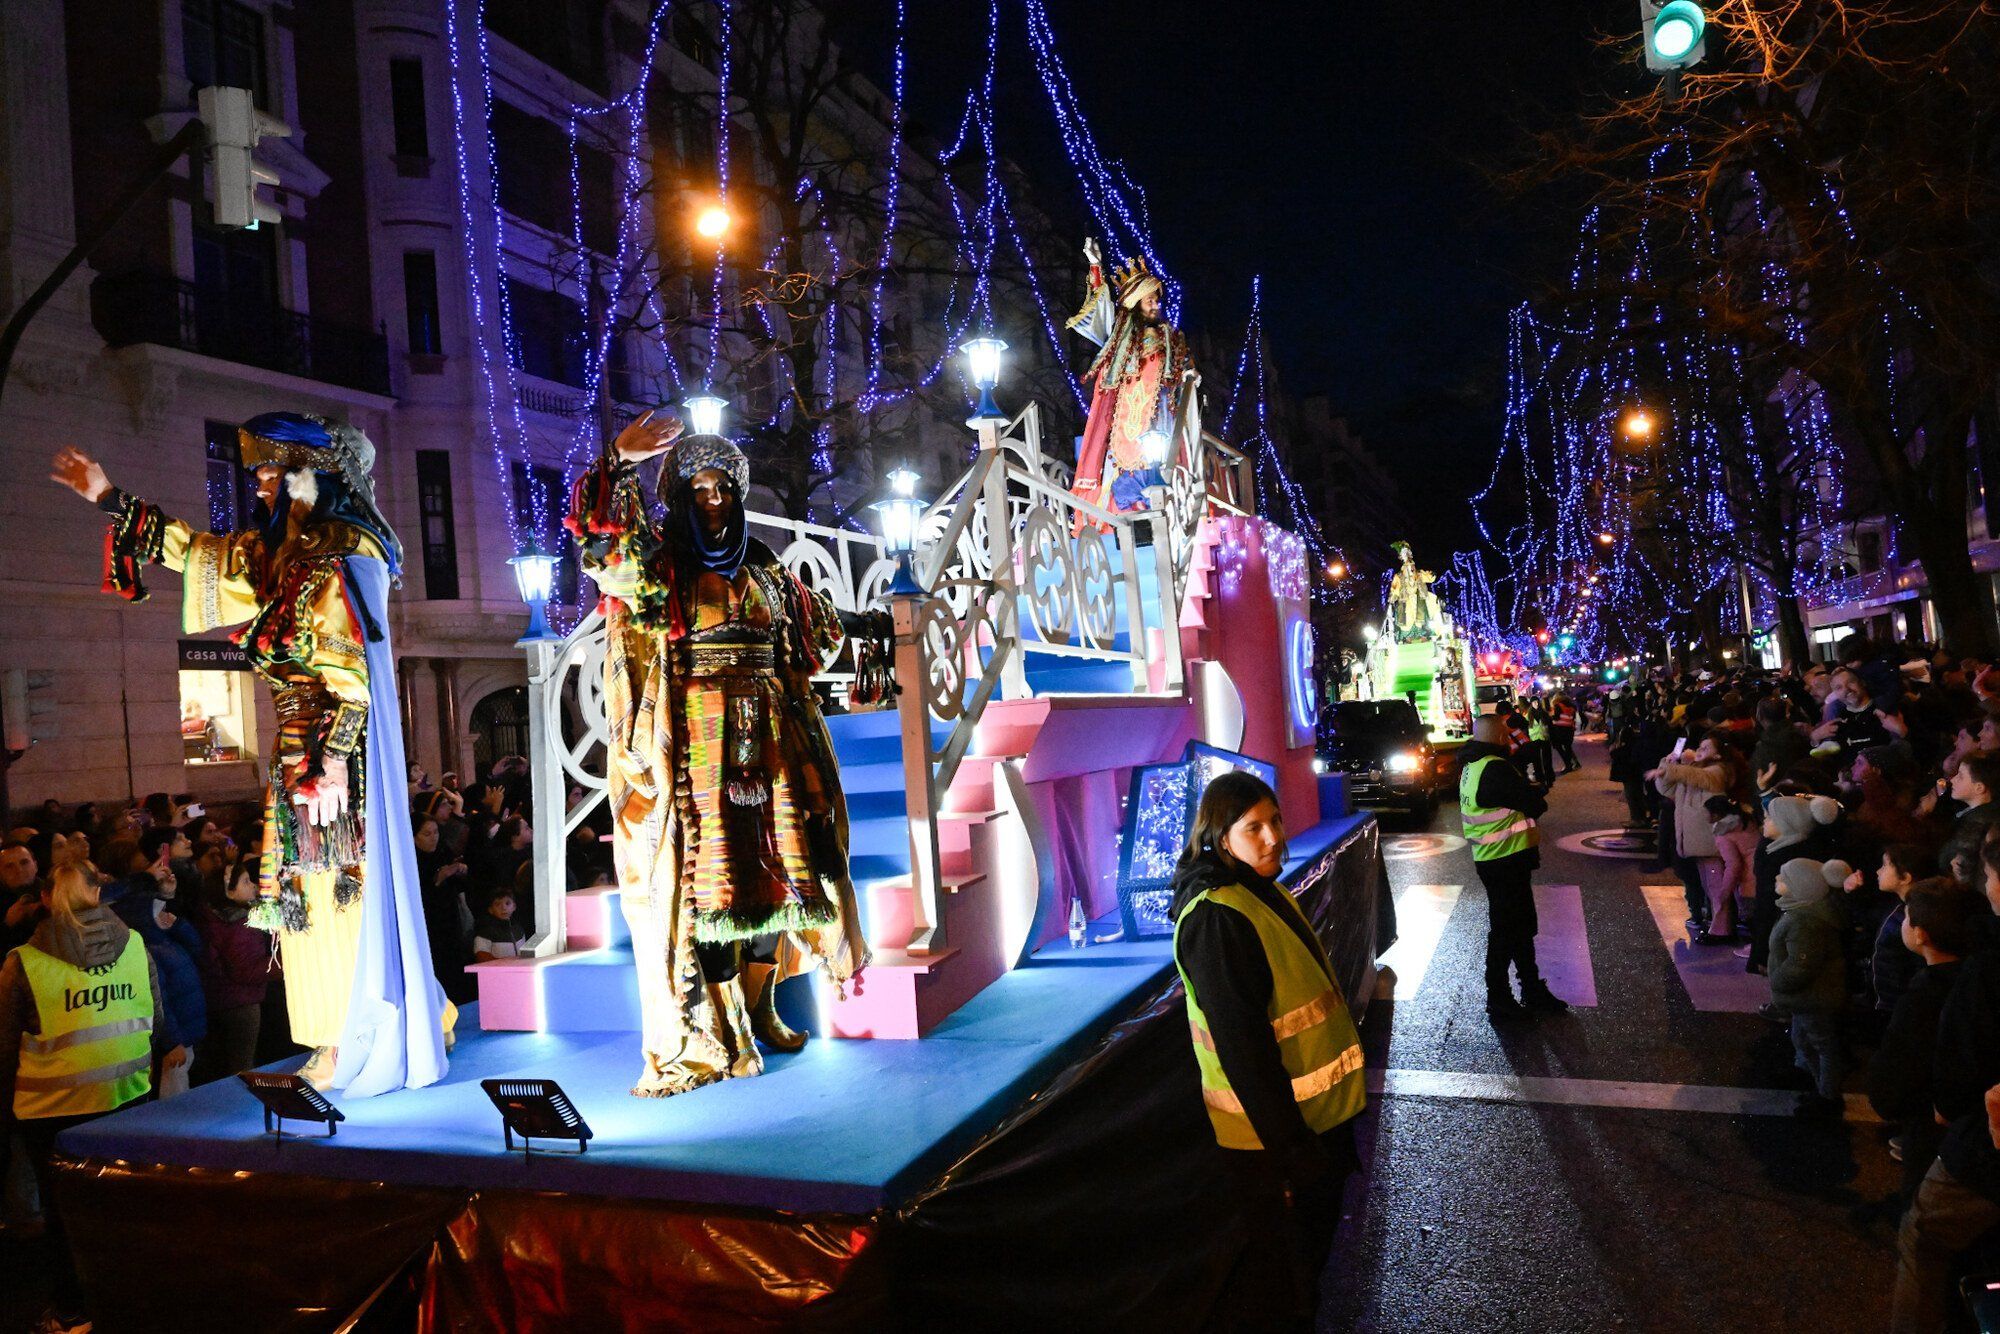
[959, 646]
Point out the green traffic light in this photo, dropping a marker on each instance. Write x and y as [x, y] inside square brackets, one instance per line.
[1677, 29]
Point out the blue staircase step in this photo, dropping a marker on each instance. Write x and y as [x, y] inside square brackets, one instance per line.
[1066, 676]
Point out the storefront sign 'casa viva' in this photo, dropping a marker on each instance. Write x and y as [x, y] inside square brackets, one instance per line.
[212, 655]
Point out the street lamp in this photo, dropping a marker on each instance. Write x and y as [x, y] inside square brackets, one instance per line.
[1605, 539]
[1153, 445]
[982, 357]
[1637, 424]
[535, 575]
[901, 513]
[704, 413]
[1336, 569]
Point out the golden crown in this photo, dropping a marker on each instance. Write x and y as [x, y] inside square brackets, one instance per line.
[1131, 281]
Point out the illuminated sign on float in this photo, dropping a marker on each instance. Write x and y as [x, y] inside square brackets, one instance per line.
[1158, 813]
[1299, 680]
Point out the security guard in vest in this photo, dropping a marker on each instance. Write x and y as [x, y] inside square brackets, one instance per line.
[77, 1040]
[1499, 808]
[1279, 1057]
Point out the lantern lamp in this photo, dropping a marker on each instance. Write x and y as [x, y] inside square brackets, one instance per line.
[902, 513]
[535, 576]
[982, 356]
[704, 413]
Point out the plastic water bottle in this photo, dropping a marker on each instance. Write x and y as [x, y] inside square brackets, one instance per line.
[1079, 928]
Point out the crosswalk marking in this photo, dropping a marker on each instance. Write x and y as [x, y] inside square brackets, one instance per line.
[1562, 945]
[1623, 1093]
[1421, 914]
[1712, 974]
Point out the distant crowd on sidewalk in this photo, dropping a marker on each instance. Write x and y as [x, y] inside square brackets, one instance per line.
[1835, 827]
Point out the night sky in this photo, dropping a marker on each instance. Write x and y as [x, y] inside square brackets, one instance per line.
[1341, 150]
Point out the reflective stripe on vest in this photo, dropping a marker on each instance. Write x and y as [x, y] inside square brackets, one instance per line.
[95, 1048]
[1493, 832]
[1309, 1020]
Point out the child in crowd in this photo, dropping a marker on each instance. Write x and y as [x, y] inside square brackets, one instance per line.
[1937, 921]
[1734, 888]
[495, 935]
[1809, 977]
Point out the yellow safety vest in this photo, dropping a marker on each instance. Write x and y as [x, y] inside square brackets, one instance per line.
[1493, 833]
[95, 1050]
[1315, 1033]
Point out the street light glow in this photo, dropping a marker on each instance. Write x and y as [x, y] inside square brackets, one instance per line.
[1336, 569]
[1638, 424]
[1605, 539]
[712, 222]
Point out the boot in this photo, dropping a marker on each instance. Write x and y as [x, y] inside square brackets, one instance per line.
[762, 989]
[318, 1070]
[1536, 997]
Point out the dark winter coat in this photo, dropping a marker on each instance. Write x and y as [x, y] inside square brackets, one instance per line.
[176, 952]
[236, 961]
[1901, 1082]
[1968, 1063]
[1808, 969]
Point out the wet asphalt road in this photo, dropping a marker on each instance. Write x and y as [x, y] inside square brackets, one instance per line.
[1489, 1216]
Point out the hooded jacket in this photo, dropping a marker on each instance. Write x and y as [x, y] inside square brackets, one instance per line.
[95, 941]
[1689, 786]
[176, 953]
[1808, 969]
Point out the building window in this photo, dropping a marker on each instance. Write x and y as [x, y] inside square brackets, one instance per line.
[218, 709]
[566, 34]
[545, 333]
[420, 303]
[223, 46]
[406, 109]
[540, 500]
[529, 153]
[232, 488]
[440, 536]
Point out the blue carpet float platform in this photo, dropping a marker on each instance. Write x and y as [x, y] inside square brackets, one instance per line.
[981, 1110]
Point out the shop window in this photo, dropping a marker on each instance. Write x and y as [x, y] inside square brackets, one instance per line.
[218, 707]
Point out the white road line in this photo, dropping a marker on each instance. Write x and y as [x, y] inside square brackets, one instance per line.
[1547, 1090]
[1421, 914]
[1712, 974]
[1562, 944]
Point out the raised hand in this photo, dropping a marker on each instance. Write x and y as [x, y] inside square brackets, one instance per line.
[324, 797]
[79, 472]
[1092, 253]
[648, 435]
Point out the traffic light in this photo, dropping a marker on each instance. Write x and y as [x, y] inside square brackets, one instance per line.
[1673, 33]
[1566, 642]
[235, 126]
[1542, 637]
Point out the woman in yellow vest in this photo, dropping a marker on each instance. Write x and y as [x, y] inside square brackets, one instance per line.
[1279, 1056]
[76, 1039]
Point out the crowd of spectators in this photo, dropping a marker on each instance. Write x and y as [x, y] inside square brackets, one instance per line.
[1836, 829]
[185, 878]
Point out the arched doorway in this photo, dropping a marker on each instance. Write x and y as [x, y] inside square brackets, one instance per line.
[500, 725]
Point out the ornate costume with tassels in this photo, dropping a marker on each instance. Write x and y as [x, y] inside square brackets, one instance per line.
[310, 593]
[1136, 378]
[729, 823]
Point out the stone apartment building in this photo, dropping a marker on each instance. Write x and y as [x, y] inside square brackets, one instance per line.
[375, 301]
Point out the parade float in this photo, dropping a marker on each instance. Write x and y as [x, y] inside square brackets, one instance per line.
[975, 1094]
[1419, 654]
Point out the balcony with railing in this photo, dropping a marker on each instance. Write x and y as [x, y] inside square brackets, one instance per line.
[156, 308]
